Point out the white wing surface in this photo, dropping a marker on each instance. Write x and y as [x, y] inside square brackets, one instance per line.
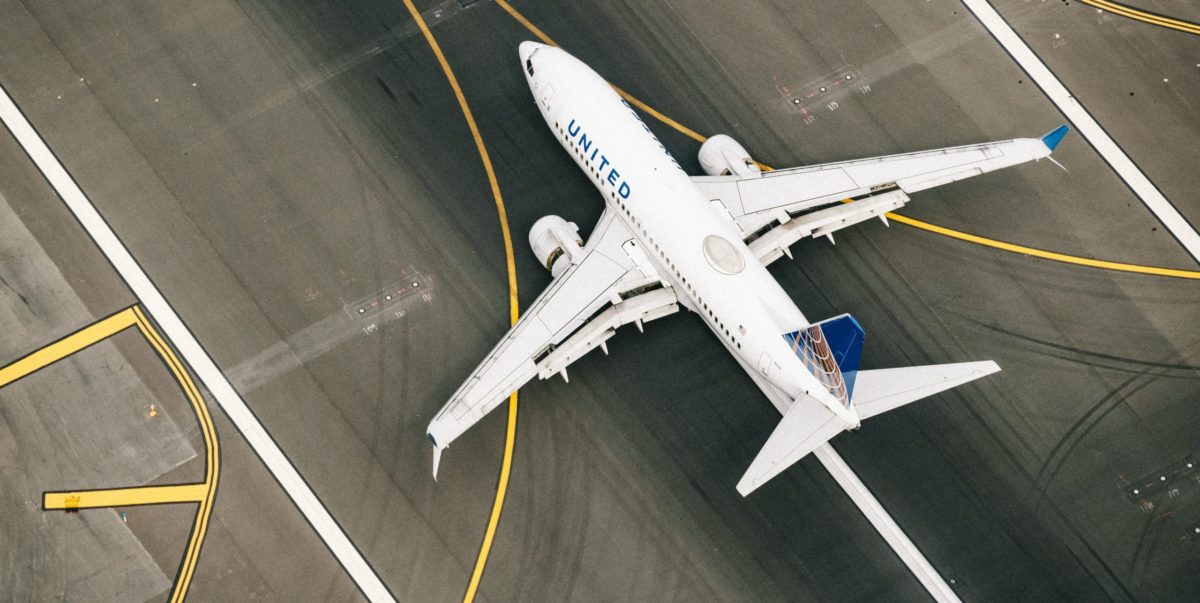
[612, 285]
[764, 202]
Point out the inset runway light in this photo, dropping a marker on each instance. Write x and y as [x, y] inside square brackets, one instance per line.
[795, 101]
[1162, 478]
[849, 76]
[362, 310]
[1135, 491]
[822, 88]
[193, 84]
[1189, 465]
[387, 297]
[1166, 80]
[416, 284]
[156, 100]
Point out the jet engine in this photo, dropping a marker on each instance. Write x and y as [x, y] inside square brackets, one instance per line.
[554, 239]
[721, 155]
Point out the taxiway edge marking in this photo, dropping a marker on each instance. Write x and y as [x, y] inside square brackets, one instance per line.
[189, 347]
[77, 341]
[884, 524]
[514, 310]
[125, 497]
[1087, 126]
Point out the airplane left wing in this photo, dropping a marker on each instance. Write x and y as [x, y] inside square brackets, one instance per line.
[613, 284]
[806, 424]
[775, 209]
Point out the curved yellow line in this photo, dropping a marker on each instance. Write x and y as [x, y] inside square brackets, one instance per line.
[212, 448]
[201, 493]
[913, 222]
[514, 311]
[1129, 12]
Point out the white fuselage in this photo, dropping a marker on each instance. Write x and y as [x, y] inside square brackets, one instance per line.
[672, 219]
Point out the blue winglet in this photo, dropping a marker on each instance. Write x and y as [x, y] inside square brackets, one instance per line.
[1052, 138]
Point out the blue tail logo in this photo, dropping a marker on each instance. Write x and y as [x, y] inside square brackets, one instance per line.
[830, 350]
[845, 337]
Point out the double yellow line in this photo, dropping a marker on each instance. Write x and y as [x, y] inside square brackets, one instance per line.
[1137, 14]
[201, 493]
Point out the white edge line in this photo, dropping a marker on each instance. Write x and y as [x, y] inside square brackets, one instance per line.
[1087, 126]
[222, 391]
[884, 524]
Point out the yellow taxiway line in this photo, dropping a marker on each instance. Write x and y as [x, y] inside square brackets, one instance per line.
[1137, 14]
[200, 493]
[506, 464]
[513, 309]
[123, 497]
[913, 222]
[83, 338]
[212, 465]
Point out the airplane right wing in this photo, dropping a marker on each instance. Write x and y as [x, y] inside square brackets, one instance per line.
[613, 284]
[777, 208]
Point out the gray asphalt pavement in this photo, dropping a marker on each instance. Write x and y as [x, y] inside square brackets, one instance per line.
[272, 166]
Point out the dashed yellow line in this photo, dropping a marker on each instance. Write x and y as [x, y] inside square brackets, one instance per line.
[202, 493]
[1137, 14]
[514, 311]
[913, 222]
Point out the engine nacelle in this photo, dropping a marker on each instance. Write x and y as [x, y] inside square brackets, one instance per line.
[556, 243]
[721, 155]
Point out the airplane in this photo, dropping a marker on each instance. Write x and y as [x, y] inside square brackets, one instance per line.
[667, 239]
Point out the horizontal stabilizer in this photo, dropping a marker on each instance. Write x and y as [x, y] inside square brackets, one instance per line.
[806, 425]
[881, 390]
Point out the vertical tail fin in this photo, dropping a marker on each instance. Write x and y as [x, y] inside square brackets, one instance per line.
[830, 350]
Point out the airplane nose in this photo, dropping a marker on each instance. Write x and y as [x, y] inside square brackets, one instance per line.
[528, 48]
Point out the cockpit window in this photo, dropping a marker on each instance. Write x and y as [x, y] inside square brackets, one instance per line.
[528, 66]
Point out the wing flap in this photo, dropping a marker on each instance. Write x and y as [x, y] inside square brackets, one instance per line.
[610, 286]
[755, 201]
[774, 243]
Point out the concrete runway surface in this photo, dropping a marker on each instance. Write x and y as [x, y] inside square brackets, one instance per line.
[274, 166]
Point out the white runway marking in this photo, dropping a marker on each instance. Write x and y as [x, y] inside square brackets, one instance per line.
[1087, 126]
[162, 312]
[884, 524]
